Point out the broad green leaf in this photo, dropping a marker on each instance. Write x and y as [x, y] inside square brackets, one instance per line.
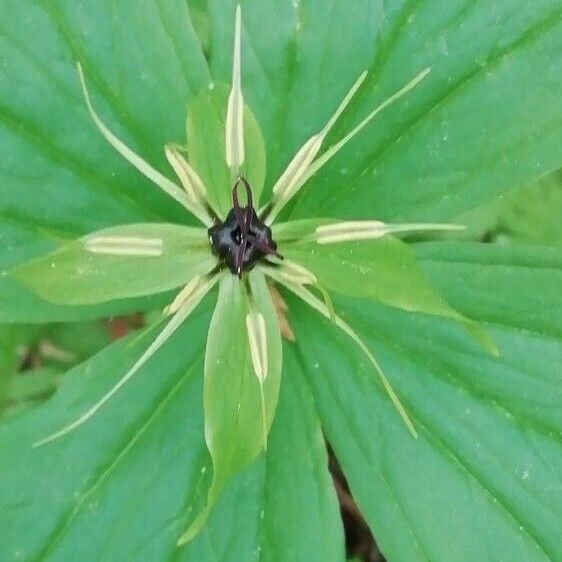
[484, 280]
[206, 117]
[56, 153]
[120, 262]
[105, 474]
[59, 178]
[239, 405]
[121, 487]
[483, 477]
[259, 516]
[384, 270]
[479, 125]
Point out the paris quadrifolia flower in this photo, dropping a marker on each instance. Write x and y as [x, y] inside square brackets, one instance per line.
[250, 257]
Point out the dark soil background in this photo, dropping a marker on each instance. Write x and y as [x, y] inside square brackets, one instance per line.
[359, 542]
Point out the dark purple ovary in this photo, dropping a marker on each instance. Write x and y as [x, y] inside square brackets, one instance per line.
[242, 239]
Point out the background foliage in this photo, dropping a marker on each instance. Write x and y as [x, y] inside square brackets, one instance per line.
[483, 480]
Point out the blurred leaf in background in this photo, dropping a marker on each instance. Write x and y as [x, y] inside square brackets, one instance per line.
[32, 357]
[527, 215]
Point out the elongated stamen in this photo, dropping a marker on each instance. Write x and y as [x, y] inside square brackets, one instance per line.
[292, 178]
[177, 320]
[313, 167]
[319, 306]
[255, 324]
[183, 296]
[257, 339]
[125, 246]
[370, 230]
[141, 165]
[235, 111]
[293, 272]
[298, 166]
[190, 180]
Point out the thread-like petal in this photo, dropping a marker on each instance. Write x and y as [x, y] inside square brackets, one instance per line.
[294, 175]
[177, 320]
[303, 293]
[133, 158]
[333, 150]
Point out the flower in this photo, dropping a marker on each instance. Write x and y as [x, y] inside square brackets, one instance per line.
[241, 248]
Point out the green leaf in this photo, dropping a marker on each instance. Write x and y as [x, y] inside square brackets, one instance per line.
[206, 116]
[260, 514]
[104, 266]
[483, 477]
[484, 281]
[109, 476]
[59, 177]
[103, 471]
[239, 405]
[479, 125]
[384, 270]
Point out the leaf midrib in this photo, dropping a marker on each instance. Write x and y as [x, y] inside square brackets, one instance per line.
[121, 453]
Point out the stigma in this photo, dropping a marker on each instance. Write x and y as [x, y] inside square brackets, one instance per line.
[243, 238]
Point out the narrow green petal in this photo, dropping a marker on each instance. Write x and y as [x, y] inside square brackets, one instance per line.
[176, 321]
[133, 158]
[318, 305]
[295, 174]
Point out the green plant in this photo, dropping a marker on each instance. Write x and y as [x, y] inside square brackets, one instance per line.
[125, 484]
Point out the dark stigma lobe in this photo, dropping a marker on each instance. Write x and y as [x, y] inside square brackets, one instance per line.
[242, 239]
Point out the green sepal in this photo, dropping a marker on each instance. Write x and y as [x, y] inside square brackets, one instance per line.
[206, 116]
[385, 270]
[73, 274]
[239, 410]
